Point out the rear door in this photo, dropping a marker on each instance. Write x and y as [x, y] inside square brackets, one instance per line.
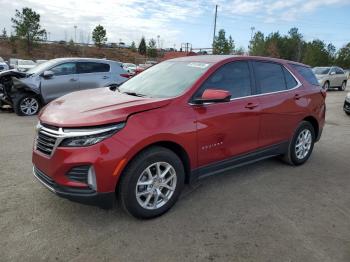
[228, 129]
[93, 74]
[279, 98]
[340, 76]
[64, 81]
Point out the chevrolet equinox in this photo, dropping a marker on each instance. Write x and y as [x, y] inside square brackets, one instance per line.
[175, 123]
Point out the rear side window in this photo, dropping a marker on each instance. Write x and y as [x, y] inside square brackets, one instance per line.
[306, 73]
[270, 77]
[233, 77]
[290, 80]
[339, 71]
[92, 67]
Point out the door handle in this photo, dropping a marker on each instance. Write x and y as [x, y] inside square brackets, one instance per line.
[105, 77]
[297, 96]
[73, 80]
[251, 105]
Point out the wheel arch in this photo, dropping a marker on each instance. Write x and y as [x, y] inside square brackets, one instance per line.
[313, 121]
[178, 149]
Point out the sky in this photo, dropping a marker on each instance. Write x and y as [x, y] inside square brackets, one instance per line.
[181, 21]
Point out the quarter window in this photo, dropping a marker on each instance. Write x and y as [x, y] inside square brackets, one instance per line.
[270, 77]
[307, 74]
[233, 77]
[64, 69]
[92, 67]
[290, 80]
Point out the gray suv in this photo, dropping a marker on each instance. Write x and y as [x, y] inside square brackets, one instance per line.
[331, 77]
[28, 91]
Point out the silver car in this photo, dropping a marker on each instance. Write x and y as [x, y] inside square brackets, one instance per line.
[331, 77]
[3, 65]
[28, 91]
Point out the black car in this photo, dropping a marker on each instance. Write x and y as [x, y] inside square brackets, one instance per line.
[347, 104]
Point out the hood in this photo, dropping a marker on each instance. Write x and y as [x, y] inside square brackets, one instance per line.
[96, 107]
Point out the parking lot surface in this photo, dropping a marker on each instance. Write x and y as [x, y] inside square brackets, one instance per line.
[267, 211]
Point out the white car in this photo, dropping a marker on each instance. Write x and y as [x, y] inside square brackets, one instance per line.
[129, 67]
[24, 65]
[3, 65]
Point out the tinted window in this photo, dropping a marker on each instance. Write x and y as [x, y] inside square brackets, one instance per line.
[270, 77]
[306, 73]
[91, 67]
[64, 69]
[290, 80]
[233, 77]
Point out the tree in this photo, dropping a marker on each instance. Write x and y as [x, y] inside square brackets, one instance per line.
[142, 46]
[240, 51]
[316, 54]
[257, 45]
[99, 36]
[343, 57]
[133, 46]
[221, 45]
[4, 33]
[27, 26]
[152, 50]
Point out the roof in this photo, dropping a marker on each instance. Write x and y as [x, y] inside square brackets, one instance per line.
[83, 59]
[219, 58]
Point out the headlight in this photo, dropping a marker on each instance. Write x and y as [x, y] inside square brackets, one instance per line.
[88, 137]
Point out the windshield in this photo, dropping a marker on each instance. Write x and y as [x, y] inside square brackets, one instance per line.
[321, 70]
[41, 67]
[167, 79]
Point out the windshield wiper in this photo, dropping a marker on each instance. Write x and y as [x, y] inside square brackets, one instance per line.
[134, 94]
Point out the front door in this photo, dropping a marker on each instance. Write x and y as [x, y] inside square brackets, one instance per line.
[225, 130]
[64, 81]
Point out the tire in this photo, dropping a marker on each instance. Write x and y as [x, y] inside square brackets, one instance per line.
[294, 156]
[26, 104]
[136, 173]
[348, 113]
[343, 86]
[326, 86]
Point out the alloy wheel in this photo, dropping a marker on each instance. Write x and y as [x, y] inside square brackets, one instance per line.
[156, 185]
[29, 106]
[303, 144]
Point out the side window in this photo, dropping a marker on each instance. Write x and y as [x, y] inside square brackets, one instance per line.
[233, 77]
[270, 77]
[339, 71]
[332, 70]
[290, 80]
[92, 67]
[306, 73]
[64, 69]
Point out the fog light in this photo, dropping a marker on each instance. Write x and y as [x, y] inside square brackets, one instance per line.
[92, 178]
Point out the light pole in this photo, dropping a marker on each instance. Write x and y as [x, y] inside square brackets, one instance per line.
[75, 33]
[158, 36]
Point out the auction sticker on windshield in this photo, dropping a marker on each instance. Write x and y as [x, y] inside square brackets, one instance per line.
[199, 65]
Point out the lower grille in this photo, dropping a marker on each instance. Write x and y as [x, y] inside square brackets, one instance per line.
[46, 179]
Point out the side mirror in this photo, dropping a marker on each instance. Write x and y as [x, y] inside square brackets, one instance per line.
[213, 96]
[48, 74]
[332, 73]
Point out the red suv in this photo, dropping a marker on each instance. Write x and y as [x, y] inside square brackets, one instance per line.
[177, 122]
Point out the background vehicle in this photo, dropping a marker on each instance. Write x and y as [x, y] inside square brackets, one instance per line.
[3, 65]
[28, 91]
[12, 62]
[24, 65]
[177, 122]
[347, 104]
[40, 61]
[331, 77]
[129, 67]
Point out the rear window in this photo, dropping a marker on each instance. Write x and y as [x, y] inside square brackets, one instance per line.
[306, 73]
[92, 67]
[270, 77]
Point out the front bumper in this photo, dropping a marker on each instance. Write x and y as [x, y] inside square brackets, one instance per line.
[82, 195]
[347, 106]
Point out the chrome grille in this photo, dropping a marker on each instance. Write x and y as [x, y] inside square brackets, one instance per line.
[46, 140]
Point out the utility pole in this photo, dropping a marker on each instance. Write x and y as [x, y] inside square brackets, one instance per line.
[216, 15]
[75, 33]
[158, 36]
[252, 34]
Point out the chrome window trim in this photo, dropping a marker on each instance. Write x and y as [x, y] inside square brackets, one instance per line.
[62, 134]
[299, 84]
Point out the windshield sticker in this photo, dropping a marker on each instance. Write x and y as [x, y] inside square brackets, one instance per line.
[198, 65]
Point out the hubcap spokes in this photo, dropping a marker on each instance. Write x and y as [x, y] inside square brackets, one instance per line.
[29, 106]
[303, 144]
[156, 185]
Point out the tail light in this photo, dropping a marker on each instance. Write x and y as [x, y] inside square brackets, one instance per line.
[125, 75]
